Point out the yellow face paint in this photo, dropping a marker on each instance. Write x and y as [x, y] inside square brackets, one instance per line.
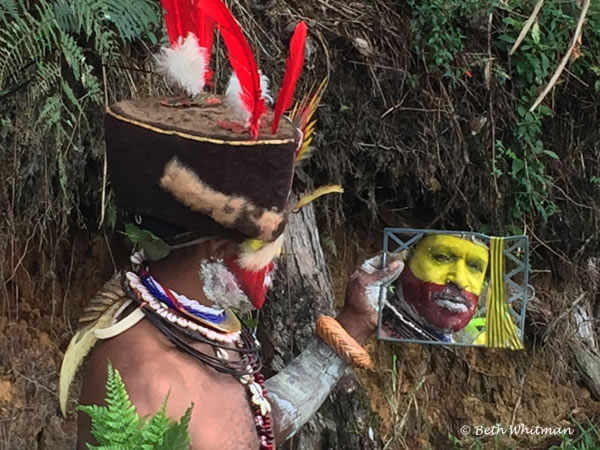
[253, 244]
[443, 259]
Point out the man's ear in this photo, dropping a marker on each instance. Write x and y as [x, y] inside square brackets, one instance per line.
[222, 248]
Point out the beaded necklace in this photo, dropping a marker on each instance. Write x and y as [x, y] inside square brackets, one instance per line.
[164, 309]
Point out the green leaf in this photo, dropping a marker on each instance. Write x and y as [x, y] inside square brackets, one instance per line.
[535, 32]
[155, 250]
[478, 321]
[111, 214]
[517, 166]
[117, 422]
[137, 234]
[474, 325]
[154, 430]
[116, 426]
[154, 247]
[62, 175]
[178, 437]
[250, 322]
[551, 154]
[544, 111]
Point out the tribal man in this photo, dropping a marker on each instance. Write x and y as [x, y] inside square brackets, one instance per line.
[438, 290]
[207, 180]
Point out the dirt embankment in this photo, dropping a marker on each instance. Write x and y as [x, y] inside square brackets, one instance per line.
[405, 150]
[37, 322]
[425, 395]
[424, 401]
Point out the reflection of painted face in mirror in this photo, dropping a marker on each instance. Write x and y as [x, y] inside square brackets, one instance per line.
[443, 280]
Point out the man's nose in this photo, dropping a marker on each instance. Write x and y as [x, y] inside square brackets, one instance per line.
[458, 275]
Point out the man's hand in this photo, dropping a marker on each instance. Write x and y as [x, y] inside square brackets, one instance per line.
[359, 314]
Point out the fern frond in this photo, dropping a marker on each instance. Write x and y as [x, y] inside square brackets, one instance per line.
[47, 76]
[91, 84]
[72, 53]
[25, 39]
[122, 417]
[65, 17]
[8, 8]
[66, 88]
[86, 17]
[177, 436]
[117, 423]
[62, 174]
[50, 113]
[116, 426]
[154, 429]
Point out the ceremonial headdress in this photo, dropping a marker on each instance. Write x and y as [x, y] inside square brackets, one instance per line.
[219, 165]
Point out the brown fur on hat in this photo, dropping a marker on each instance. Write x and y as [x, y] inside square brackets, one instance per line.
[229, 210]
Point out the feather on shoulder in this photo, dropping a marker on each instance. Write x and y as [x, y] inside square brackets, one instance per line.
[98, 314]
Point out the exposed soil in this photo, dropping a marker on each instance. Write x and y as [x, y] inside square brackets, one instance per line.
[437, 390]
[32, 340]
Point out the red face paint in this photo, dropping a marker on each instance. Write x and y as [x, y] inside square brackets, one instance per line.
[445, 307]
[254, 284]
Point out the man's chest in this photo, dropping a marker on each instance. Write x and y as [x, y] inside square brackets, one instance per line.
[222, 417]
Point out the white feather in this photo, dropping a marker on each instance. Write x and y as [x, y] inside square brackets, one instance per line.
[255, 260]
[232, 95]
[264, 88]
[184, 65]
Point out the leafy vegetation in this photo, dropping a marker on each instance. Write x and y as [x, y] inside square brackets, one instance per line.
[56, 57]
[154, 247]
[586, 437]
[117, 425]
[50, 47]
[439, 29]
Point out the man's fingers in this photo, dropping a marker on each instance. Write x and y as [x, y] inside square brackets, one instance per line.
[372, 264]
[375, 263]
[382, 276]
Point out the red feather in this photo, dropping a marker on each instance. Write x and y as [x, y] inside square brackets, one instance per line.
[204, 31]
[186, 17]
[179, 19]
[170, 19]
[205, 27]
[293, 66]
[241, 60]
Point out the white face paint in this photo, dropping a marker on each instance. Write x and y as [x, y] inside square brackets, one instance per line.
[221, 287]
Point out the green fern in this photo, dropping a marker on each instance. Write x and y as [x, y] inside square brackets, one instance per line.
[46, 52]
[177, 437]
[28, 37]
[41, 42]
[117, 425]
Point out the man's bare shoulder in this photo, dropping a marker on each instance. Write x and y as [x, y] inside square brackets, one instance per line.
[142, 355]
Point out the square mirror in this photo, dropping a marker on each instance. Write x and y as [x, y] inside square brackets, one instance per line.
[456, 288]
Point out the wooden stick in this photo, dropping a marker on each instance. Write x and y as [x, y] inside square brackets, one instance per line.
[527, 26]
[565, 60]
